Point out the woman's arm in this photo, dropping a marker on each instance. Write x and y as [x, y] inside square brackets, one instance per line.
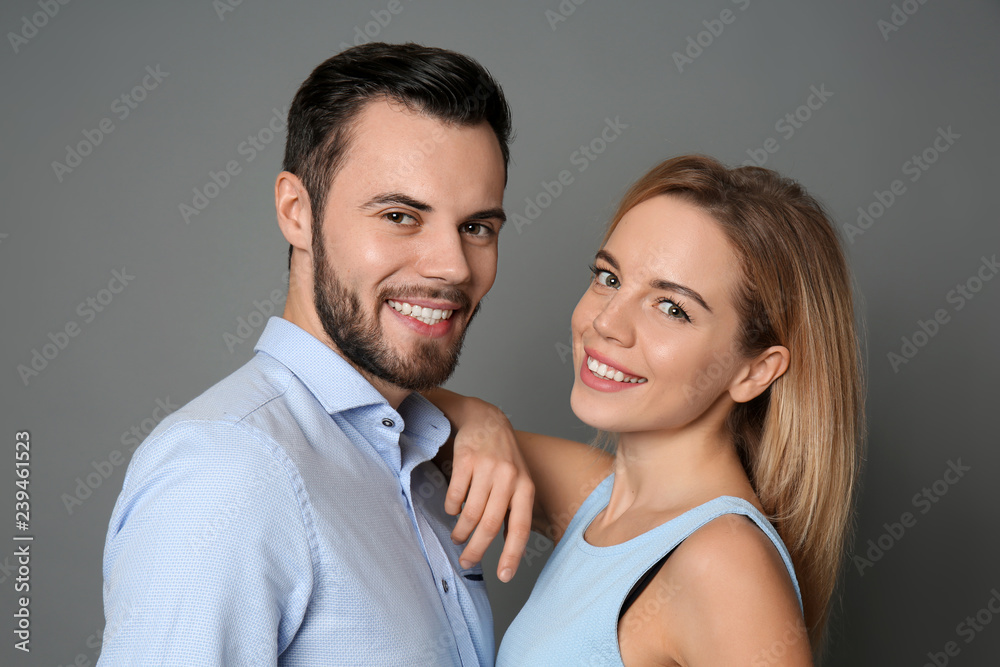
[564, 472]
[488, 481]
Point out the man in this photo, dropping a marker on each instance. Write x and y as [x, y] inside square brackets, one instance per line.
[292, 514]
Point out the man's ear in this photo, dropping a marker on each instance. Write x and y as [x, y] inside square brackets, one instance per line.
[291, 201]
[758, 374]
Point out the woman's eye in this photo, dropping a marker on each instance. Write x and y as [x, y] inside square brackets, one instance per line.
[399, 218]
[607, 279]
[673, 310]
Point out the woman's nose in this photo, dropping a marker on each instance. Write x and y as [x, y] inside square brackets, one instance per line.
[612, 321]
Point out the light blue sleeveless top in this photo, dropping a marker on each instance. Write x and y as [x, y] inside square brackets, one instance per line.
[571, 617]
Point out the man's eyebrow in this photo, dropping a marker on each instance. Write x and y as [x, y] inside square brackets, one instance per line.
[659, 283]
[398, 199]
[490, 214]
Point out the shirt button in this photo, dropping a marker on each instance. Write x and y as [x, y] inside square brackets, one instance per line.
[444, 585]
[388, 423]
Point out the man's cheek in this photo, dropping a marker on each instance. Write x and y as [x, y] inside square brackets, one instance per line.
[485, 268]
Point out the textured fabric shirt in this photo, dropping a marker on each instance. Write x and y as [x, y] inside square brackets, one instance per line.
[571, 617]
[290, 516]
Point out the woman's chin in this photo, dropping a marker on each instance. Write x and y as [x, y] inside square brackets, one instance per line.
[590, 414]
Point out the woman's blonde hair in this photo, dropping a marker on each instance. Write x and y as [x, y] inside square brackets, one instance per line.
[801, 440]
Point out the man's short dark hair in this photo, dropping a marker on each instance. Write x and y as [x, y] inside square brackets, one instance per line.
[443, 84]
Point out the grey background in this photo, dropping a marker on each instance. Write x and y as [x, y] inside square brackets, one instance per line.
[162, 337]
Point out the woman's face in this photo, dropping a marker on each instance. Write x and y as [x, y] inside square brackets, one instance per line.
[659, 312]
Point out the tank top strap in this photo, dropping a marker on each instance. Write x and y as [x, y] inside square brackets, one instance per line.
[670, 534]
[592, 505]
[572, 615]
[698, 516]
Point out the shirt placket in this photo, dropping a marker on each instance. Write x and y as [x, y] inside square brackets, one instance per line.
[444, 580]
[434, 553]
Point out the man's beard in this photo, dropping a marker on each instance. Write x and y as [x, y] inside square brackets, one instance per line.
[361, 340]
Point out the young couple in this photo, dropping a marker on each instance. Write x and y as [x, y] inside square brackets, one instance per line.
[296, 513]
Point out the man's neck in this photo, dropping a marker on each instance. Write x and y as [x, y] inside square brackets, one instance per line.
[307, 320]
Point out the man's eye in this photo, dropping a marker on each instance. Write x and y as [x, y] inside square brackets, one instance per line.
[477, 229]
[607, 279]
[399, 218]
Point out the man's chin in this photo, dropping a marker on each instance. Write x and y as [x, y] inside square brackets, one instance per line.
[424, 369]
[416, 379]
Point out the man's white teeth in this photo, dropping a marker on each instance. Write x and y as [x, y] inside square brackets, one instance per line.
[609, 373]
[426, 315]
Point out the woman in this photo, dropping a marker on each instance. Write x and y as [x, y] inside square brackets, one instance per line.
[717, 343]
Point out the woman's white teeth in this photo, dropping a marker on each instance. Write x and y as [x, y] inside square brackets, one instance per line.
[426, 315]
[609, 373]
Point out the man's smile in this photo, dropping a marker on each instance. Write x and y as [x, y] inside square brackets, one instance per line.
[426, 314]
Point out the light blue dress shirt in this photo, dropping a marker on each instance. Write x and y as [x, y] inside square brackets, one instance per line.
[290, 516]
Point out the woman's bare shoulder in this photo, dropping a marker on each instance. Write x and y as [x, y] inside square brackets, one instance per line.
[733, 601]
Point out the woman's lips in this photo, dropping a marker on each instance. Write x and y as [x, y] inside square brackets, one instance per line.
[610, 363]
[597, 373]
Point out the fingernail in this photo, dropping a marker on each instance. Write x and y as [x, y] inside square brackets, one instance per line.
[465, 564]
[506, 575]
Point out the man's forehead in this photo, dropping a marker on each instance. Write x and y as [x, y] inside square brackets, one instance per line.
[394, 149]
[386, 118]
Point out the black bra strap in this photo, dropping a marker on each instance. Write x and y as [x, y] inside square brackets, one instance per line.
[640, 585]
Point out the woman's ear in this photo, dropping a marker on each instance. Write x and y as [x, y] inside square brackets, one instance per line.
[758, 374]
[291, 201]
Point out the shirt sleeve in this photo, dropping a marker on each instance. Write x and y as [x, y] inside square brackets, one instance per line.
[207, 559]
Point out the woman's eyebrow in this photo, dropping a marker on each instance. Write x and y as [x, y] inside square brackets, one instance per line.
[666, 285]
[608, 257]
[659, 283]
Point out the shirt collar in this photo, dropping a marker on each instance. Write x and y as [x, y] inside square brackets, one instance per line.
[339, 387]
[336, 384]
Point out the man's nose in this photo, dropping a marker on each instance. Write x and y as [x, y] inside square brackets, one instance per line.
[442, 256]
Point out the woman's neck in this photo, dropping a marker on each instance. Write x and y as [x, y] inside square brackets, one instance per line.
[657, 471]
